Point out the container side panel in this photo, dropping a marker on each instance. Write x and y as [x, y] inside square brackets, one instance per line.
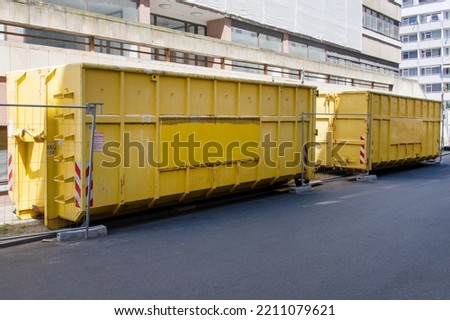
[269, 150]
[201, 97]
[139, 162]
[227, 98]
[287, 102]
[352, 103]
[324, 125]
[103, 86]
[352, 134]
[172, 183]
[25, 124]
[200, 143]
[140, 95]
[406, 131]
[286, 150]
[199, 179]
[108, 184]
[65, 139]
[173, 95]
[269, 100]
[249, 100]
[225, 176]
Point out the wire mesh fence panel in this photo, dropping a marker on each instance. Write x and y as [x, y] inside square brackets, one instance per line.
[47, 168]
[330, 173]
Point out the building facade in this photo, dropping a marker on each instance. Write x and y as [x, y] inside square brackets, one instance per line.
[425, 33]
[349, 43]
[359, 35]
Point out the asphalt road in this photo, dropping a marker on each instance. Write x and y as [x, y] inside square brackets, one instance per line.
[346, 240]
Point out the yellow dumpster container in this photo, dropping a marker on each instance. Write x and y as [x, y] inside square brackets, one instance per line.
[161, 138]
[370, 130]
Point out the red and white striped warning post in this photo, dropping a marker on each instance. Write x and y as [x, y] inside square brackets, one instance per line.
[78, 184]
[362, 150]
[10, 172]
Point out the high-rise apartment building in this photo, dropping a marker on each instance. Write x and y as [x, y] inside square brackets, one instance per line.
[425, 33]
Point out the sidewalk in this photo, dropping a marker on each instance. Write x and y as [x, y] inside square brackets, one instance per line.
[12, 226]
[7, 215]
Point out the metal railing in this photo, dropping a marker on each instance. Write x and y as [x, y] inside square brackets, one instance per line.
[145, 51]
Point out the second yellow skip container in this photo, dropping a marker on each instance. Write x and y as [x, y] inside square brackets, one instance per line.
[365, 130]
[161, 138]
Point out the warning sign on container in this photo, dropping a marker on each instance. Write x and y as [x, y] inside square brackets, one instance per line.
[99, 141]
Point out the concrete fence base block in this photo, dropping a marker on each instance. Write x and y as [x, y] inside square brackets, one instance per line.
[301, 190]
[368, 178]
[77, 235]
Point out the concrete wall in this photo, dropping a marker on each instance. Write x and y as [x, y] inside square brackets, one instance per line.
[392, 9]
[220, 29]
[377, 45]
[381, 46]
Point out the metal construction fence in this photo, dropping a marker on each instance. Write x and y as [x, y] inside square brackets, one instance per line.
[47, 168]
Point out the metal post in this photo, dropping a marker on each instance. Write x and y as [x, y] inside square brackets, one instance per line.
[369, 141]
[441, 161]
[91, 109]
[303, 149]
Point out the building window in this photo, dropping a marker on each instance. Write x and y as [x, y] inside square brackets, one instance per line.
[256, 37]
[431, 35]
[179, 25]
[409, 21]
[409, 55]
[430, 53]
[244, 37]
[53, 39]
[432, 88]
[411, 72]
[380, 23]
[407, 3]
[269, 42]
[429, 71]
[427, 1]
[298, 49]
[125, 9]
[431, 17]
[317, 54]
[408, 38]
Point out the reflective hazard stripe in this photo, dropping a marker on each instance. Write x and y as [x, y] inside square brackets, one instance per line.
[78, 185]
[10, 172]
[362, 151]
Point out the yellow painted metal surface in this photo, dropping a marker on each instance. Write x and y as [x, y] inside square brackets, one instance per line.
[161, 138]
[368, 130]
